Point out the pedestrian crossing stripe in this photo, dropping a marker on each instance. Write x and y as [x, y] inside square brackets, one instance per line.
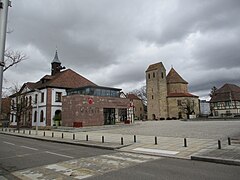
[85, 167]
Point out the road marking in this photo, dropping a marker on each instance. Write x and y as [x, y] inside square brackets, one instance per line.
[124, 159]
[59, 154]
[8, 143]
[29, 148]
[159, 151]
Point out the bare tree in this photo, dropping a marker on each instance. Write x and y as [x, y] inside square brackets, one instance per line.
[13, 58]
[141, 93]
[187, 107]
[20, 105]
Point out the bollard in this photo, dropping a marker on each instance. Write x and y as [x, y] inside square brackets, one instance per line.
[121, 140]
[62, 135]
[102, 139]
[24, 131]
[134, 138]
[52, 134]
[2, 129]
[156, 140]
[14, 130]
[5, 129]
[73, 136]
[29, 132]
[86, 137]
[219, 144]
[9, 130]
[19, 131]
[185, 142]
[44, 134]
[229, 141]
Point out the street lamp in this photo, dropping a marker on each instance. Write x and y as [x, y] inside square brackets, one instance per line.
[37, 120]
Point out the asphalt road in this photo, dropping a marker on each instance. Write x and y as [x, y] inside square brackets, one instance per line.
[174, 169]
[18, 153]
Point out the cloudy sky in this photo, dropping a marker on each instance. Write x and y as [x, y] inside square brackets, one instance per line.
[112, 42]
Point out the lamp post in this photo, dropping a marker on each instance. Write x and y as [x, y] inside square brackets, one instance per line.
[3, 29]
[37, 120]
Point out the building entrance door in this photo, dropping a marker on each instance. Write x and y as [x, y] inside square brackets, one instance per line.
[109, 116]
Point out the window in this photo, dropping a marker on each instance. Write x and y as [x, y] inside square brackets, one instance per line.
[154, 75]
[26, 101]
[41, 116]
[42, 97]
[30, 100]
[162, 75]
[152, 96]
[12, 117]
[36, 99]
[58, 97]
[35, 116]
[148, 75]
[179, 102]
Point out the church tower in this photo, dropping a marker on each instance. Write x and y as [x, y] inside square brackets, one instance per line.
[156, 91]
[56, 65]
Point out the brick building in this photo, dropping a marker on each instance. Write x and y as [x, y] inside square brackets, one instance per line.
[167, 95]
[94, 105]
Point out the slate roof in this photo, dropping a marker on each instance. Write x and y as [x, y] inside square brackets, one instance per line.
[155, 66]
[228, 92]
[174, 77]
[56, 59]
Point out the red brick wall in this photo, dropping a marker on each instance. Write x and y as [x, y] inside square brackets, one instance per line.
[78, 108]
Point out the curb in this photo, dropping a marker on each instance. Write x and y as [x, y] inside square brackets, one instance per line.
[75, 142]
[216, 160]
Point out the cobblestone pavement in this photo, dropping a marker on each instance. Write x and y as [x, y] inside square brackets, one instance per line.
[84, 167]
[176, 128]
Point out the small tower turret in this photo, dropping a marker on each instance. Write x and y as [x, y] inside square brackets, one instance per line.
[56, 65]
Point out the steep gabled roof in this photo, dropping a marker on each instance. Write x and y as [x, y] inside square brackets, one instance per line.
[64, 79]
[227, 92]
[133, 96]
[174, 77]
[155, 66]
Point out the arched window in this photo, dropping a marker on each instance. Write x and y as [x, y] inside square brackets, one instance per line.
[35, 116]
[26, 101]
[41, 116]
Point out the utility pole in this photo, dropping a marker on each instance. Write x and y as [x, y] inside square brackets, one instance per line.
[3, 29]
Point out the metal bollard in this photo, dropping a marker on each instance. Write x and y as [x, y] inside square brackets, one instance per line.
[134, 138]
[102, 139]
[9, 130]
[86, 137]
[2, 129]
[73, 136]
[52, 134]
[185, 142]
[219, 144]
[156, 140]
[6, 130]
[121, 140]
[44, 134]
[24, 131]
[29, 132]
[19, 131]
[62, 135]
[229, 141]
[14, 130]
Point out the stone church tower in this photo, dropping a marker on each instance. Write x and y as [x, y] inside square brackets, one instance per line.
[156, 91]
[168, 96]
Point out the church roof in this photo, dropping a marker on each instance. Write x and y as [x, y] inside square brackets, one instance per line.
[181, 95]
[228, 92]
[56, 60]
[174, 77]
[155, 66]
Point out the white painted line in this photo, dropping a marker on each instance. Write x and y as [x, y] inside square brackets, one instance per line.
[8, 143]
[29, 148]
[59, 154]
[124, 159]
[159, 151]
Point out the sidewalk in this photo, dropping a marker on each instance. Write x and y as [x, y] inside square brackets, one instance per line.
[190, 148]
